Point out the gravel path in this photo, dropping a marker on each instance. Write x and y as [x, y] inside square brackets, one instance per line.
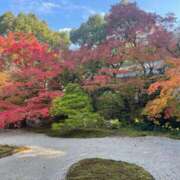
[50, 158]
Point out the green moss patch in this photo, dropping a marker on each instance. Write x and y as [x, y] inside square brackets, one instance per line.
[6, 150]
[98, 132]
[82, 133]
[100, 169]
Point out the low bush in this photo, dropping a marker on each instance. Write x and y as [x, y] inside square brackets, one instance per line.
[125, 103]
[110, 105]
[115, 124]
[80, 120]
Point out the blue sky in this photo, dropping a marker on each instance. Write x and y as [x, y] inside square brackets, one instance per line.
[61, 14]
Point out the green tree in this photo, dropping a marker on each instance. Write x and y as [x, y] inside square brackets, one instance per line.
[110, 105]
[91, 32]
[75, 106]
[6, 23]
[74, 101]
[177, 38]
[29, 23]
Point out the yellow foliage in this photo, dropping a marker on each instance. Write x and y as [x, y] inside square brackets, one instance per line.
[4, 78]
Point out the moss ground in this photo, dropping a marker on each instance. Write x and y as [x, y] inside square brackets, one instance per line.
[95, 133]
[6, 150]
[100, 169]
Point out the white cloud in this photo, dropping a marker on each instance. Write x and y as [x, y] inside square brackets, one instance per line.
[65, 30]
[50, 5]
[43, 6]
[75, 7]
[102, 13]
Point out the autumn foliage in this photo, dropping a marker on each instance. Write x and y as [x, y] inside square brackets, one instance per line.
[167, 103]
[135, 60]
[28, 70]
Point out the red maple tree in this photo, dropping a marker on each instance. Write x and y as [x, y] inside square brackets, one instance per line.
[32, 68]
